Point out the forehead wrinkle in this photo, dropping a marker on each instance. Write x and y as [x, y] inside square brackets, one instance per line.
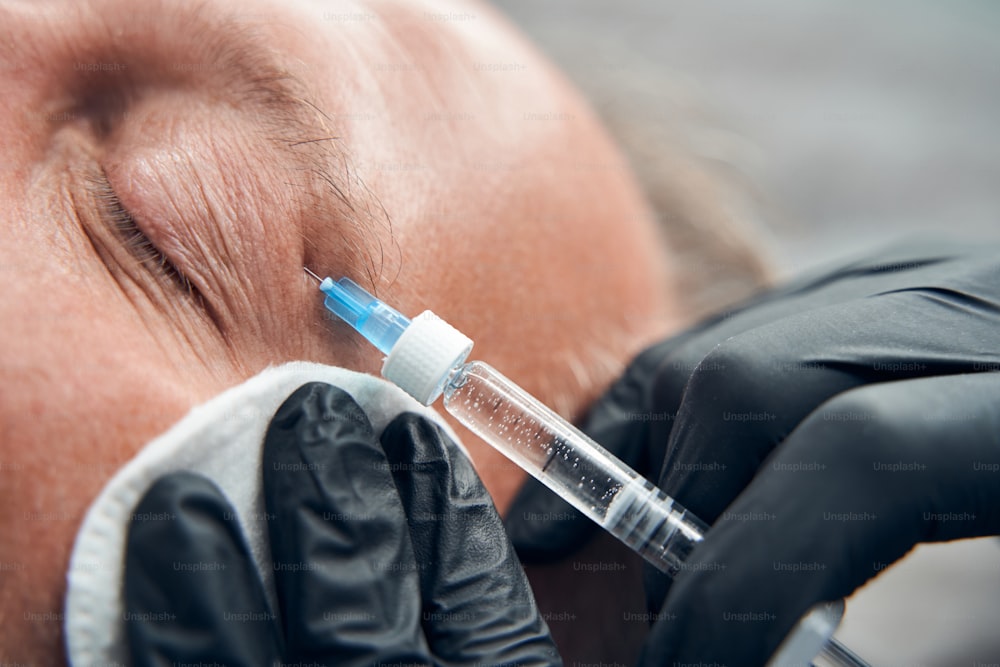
[292, 121]
[236, 59]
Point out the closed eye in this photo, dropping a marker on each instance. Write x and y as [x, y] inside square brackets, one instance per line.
[123, 224]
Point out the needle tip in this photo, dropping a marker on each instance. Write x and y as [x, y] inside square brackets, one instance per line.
[314, 276]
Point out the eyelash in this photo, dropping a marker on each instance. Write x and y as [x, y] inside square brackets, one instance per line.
[135, 240]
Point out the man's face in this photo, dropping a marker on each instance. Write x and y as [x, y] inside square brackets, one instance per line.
[169, 168]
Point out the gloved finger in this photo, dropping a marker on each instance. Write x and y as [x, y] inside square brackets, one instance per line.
[347, 584]
[478, 607]
[886, 269]
[754, 389]
[863, 479]
[192, 594]
[634, 419]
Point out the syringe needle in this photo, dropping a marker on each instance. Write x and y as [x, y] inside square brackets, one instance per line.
[315, 277]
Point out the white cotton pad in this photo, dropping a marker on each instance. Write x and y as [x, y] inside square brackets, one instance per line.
[222, 440]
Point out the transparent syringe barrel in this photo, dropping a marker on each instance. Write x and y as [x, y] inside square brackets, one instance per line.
[575, 467]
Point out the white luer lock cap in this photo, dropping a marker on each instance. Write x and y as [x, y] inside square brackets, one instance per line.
[424, 355]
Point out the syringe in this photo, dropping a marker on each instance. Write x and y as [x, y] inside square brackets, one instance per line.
[426, 357]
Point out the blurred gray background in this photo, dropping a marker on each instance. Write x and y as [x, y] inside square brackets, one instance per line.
[847, 124]
[855, 121]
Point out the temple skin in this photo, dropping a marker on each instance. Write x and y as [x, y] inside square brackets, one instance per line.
[426, 150]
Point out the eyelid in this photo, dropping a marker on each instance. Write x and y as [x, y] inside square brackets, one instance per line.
[124, 225]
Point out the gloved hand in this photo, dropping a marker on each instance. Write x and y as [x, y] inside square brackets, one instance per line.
[820, 428]
[385, 551]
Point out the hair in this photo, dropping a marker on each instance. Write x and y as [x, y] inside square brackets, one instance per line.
[717, 251]
[692, 168]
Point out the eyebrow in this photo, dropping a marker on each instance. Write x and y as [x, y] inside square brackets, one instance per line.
[238, 57]
[303, 130]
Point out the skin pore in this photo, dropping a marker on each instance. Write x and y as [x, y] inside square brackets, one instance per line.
[168, 168]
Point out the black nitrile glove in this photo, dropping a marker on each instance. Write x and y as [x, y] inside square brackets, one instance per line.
[820, 428]
[385, 552]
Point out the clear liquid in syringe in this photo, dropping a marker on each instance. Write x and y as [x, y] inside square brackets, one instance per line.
[572, 465]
